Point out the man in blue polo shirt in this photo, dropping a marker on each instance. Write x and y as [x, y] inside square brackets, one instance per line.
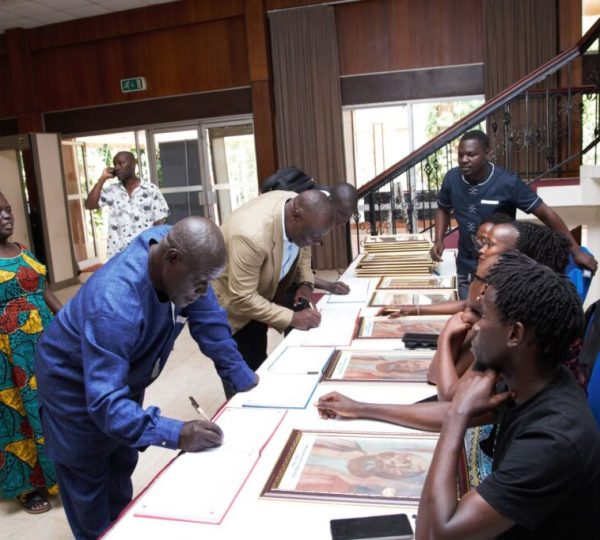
[475, 189]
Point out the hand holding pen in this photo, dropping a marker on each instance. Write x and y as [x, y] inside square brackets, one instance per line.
[305, 315]
[198, 435]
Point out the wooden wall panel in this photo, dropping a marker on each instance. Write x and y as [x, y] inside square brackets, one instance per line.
[133, 21]
[413, 84]
[391, 35]
[193, 58]
[286, 4]
[7, 107]
[153, 111]
[9, 126]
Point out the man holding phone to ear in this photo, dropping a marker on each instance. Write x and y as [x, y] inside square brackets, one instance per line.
[134, 205]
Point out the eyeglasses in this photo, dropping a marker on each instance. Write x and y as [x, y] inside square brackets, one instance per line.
[479, 242]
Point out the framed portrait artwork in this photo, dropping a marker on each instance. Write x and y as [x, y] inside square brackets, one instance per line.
[382, 298]
[384, 327]
[417, 282]
[378, 366]
[358, 467]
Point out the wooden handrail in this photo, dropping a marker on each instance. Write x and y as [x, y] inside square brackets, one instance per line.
[479, 114]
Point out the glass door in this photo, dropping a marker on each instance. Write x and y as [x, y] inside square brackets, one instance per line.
[231, 162]
[174, 159]
[83, 228]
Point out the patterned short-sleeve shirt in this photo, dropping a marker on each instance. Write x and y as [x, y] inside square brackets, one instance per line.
[130, 215]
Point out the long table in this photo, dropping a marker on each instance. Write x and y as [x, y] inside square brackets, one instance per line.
[252, 516]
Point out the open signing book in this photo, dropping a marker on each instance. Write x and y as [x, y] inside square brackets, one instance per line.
[174, 494]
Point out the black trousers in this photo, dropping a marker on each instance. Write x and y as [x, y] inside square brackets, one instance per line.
[252, 343]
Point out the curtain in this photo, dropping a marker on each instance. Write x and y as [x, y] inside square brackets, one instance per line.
[308, 107]
[520, 35]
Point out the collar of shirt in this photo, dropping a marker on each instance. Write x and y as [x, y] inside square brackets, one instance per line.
[290, 250]
[480, 183]
[141, 185]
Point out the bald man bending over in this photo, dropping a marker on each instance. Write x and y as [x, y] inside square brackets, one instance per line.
[108, 344]
[268, 247]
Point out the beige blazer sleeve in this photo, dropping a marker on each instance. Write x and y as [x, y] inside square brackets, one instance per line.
[246, 258]
[304, 270]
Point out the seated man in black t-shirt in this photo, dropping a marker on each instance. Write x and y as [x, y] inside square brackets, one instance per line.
[545, 480]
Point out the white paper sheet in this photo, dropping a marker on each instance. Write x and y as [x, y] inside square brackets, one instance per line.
[198, 486]
[359, 291]
[248, 429]
[283, 391]
[336, 329]
[300, 360]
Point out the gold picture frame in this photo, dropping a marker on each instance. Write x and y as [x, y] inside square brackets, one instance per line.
[352, 365]
[391, 298]
[386, 328]
[352, 466]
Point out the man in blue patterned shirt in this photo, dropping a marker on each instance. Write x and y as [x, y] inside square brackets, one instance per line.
[108, 344]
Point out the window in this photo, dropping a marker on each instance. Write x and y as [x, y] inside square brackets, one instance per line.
[378, 136]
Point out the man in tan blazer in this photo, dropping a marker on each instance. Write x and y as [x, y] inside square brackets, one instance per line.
[268, 247]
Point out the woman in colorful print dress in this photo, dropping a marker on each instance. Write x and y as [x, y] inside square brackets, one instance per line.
[26, 308]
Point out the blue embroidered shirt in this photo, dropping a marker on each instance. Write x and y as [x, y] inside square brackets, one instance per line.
[108, 344]
[501, 192]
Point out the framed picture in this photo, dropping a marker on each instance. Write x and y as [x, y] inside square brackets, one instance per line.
[378, 366]
[417, 282]
[382, 298]
[411, 257]
[384, 327]
[396, 271]
[396, 238]
[358, 467]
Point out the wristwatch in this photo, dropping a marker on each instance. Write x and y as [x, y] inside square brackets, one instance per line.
[308, 284]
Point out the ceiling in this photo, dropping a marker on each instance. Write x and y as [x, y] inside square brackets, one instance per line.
[31, 13]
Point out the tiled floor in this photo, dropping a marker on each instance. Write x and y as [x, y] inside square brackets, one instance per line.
[187, 373]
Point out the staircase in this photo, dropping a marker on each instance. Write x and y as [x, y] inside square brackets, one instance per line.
[541, 132]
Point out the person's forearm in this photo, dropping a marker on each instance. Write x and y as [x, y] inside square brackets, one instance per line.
[550, 218]
[91, 202]
[423, 416]
[322, 284]
[53, 303]
[442, 220]
[445, 367]
[442, 308]
[209, 327]
[438, 498]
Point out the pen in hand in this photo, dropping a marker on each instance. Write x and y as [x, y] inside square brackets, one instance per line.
[199, 410]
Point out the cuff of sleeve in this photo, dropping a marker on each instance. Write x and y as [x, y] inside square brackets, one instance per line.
[243, 379]
[168, 431]
[283, 320]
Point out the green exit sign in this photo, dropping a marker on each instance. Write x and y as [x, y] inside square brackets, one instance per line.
[135, 84]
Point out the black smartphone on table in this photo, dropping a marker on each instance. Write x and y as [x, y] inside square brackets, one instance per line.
[390, 527]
